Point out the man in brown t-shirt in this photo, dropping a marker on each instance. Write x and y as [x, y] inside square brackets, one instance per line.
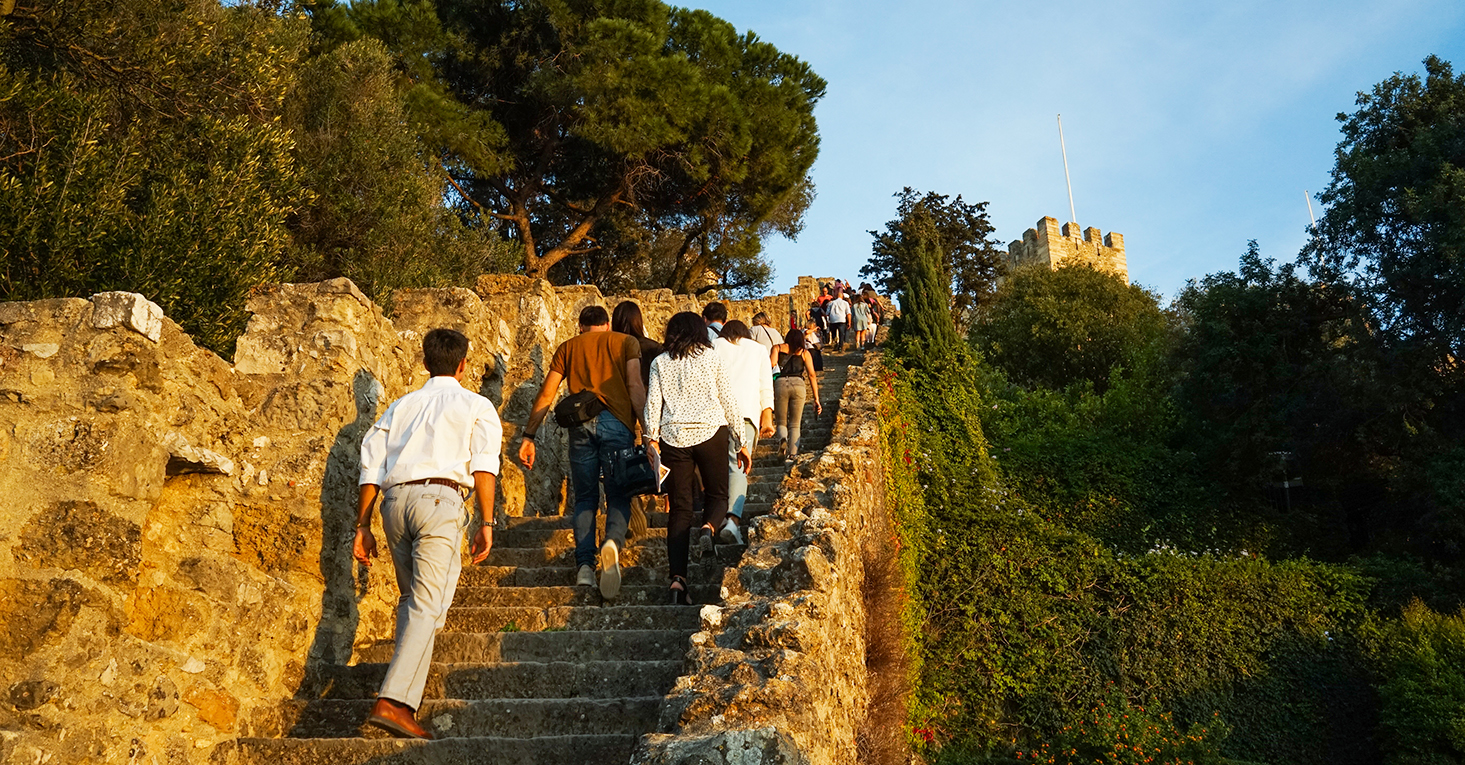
[607, 364]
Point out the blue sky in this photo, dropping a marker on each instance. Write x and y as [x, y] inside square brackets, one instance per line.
[1191, 127]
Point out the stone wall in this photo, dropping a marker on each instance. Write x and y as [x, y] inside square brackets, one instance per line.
[1048, 245]
[174, 540]
[777, 675]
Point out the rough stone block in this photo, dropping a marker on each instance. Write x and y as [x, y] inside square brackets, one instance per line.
[35, 613]
[80, 535]
[128, 309]
[186, 458]
[765, 746]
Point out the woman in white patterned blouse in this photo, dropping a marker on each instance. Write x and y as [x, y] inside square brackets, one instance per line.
[691, 413]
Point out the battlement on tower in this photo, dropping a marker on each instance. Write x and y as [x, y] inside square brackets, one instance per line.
[1052, 245]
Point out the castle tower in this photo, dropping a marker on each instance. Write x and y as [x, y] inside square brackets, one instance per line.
[1053, 246]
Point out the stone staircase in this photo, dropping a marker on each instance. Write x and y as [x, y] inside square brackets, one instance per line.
[530, 669]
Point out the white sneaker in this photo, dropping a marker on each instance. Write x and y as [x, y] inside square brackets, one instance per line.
[730, 535]
[610, 570]
[586, 576]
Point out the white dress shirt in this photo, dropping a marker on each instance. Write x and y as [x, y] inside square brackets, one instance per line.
[749, 374]
[838, 311]
[689, 399]
[440, 430]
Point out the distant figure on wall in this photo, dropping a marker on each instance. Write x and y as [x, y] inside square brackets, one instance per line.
[429, 448]
[838, 314]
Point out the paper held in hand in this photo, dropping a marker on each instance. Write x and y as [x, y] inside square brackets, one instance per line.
[662, 471]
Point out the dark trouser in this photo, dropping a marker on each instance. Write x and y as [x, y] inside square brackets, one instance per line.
[836, 334]
[592, 449]
[710, 458]
[818, 357]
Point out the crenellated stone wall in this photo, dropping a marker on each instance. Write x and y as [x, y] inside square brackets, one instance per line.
[1049, 245]
[175, 532]
[777, 675]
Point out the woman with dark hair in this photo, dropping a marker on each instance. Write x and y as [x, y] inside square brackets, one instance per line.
[691, 413]
[795, 365]
[627, 320]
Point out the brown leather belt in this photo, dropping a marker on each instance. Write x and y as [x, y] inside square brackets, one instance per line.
[437, 482]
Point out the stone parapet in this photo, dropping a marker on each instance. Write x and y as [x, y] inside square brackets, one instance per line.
[175, 544]
[777, 674]
[1051, 246]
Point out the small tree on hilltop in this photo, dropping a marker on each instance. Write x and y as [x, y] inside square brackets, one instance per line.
[925, 324]
[971, 257]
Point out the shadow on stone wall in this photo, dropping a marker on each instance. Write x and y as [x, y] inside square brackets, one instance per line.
[345, 581]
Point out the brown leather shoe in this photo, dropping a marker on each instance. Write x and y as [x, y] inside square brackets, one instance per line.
[397, 719]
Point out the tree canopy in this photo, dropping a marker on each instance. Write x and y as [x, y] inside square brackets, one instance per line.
[193, 150]
[593, 130]
[1395, 210]
[971, 256]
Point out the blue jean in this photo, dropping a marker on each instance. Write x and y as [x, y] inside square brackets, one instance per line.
[737, 480]
[592, 451]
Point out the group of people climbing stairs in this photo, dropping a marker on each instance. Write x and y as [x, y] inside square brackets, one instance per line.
[529, 668]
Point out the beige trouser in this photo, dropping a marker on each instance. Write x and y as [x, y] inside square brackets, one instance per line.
[789, 394]
[424, 529]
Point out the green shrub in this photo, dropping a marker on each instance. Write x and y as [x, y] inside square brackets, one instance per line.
[1025, 625]
[1422, 693]
[1054, 328]
[1117, 732]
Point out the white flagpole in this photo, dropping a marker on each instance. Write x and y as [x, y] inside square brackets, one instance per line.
[1066, 178]
[1308, 196]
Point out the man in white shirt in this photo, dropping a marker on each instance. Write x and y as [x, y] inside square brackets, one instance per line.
[838, 311]
[429, 448]
[751, 378]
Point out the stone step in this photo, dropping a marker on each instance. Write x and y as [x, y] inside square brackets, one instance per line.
[548, 597]
[590, 750]
[651, 554]
[518, 680]
[541, 537]
[754, 509]
[609, 617]
[459, 718]
[553, 645]
[564, 576]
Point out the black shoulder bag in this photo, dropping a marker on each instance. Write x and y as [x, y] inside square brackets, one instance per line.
[578, 409]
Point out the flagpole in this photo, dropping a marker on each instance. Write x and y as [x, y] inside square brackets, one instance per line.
[1064, 147]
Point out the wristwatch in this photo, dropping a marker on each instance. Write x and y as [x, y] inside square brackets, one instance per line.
[528, 436]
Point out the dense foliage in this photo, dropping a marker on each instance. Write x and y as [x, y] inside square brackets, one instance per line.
[140, 150]
[1394, 226]
[1050, 329]
[972, 257]
[194, 150]
[1227, 530]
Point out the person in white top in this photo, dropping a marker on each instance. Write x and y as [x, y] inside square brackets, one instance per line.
[430, 447]
[763, 332]
[691, 413]
[838, 311]
[751, 377]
